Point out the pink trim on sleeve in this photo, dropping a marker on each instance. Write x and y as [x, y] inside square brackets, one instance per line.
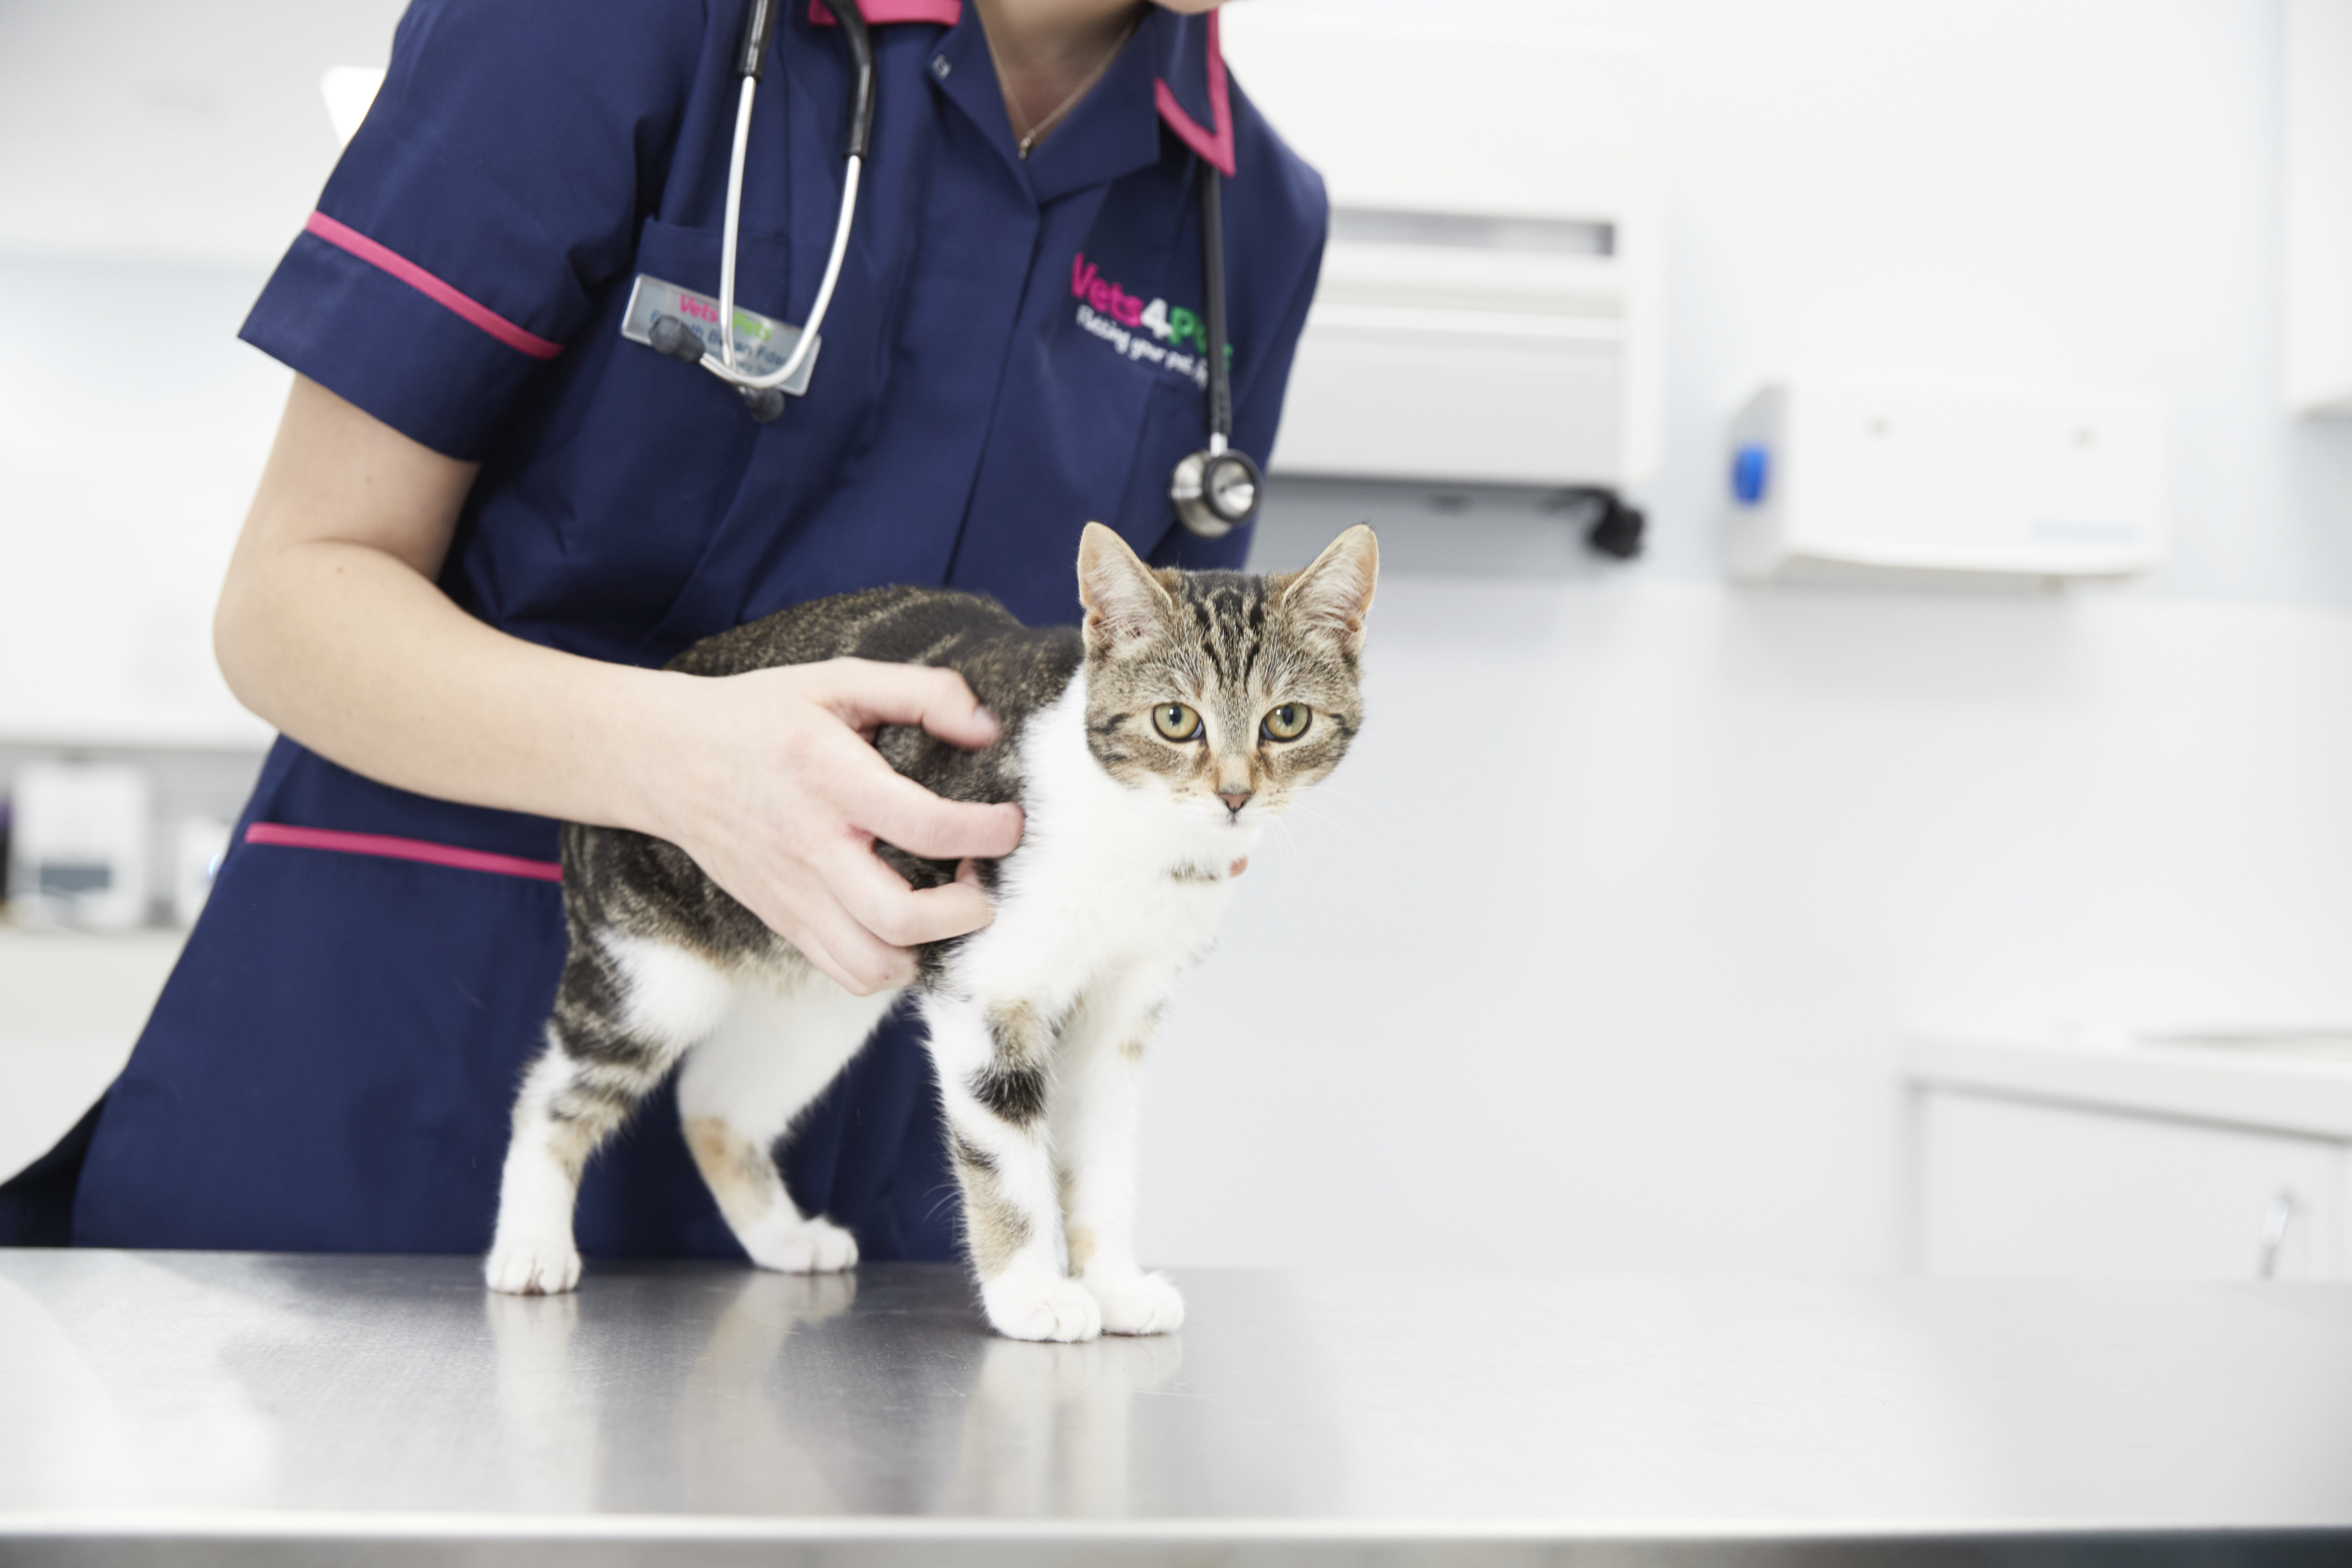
[880, 13]
[1217, 149]
[391, 848]
[350, 239]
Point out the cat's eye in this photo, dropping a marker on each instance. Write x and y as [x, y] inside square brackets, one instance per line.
[1288, 722]
[1176, 721]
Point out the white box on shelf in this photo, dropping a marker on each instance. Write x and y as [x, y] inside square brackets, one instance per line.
[77, 845]
[2043, 484]
[1488, 308]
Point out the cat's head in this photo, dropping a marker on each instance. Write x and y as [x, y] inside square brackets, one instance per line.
[1231, 692]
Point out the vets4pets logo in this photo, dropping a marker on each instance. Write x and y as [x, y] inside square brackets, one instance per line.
[1178, 340]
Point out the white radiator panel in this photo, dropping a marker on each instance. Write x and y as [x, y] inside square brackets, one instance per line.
[1459, 396]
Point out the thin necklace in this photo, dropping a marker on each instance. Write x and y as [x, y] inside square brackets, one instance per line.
[1029, 136]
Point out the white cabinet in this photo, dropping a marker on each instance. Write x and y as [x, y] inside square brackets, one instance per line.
[2013, 1186]
[2052, 1159]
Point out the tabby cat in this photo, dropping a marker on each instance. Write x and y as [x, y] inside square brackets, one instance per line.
[1149, 749]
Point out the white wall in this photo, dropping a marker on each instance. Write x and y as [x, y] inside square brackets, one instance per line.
[1599, 950]
[1596, 952]
[157, 157]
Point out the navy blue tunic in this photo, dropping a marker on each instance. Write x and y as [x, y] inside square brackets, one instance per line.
[331, 1066]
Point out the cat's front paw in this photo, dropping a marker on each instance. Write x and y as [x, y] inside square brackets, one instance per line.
[1049, 1309]
[1138, 1303]
[796, 1245]
[547, 1265]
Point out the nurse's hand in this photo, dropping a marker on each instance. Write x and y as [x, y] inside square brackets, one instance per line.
[332, 626]
[774, 787]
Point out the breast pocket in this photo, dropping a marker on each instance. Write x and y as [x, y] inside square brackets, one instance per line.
[638, 461]
[619, 393]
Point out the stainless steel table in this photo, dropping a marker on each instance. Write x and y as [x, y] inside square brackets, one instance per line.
[196, 1409]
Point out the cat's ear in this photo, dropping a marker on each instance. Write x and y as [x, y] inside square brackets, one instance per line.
[1124, 602]
[1332, 596]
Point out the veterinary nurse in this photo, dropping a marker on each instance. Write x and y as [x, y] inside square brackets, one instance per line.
[490, 516]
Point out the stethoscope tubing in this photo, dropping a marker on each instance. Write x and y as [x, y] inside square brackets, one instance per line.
[723, 365]
[1214, 490]
[1213, 288]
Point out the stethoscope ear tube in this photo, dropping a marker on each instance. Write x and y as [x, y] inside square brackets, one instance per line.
[1212, 283]
[759, 393]
[759, 26]
[861, 59]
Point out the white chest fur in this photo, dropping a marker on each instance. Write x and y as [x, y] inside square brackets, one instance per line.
[1108, 879]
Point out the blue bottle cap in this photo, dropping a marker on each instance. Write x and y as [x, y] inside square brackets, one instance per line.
[1752, 465]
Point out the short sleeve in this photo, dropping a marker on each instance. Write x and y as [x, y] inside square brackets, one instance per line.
[490, 198]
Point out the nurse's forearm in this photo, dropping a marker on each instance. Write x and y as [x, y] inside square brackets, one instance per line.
[330, 627]
[354, 654]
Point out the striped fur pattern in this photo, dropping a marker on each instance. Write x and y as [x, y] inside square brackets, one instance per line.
[1148, 749]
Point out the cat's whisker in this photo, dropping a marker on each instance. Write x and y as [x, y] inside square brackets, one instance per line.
[1331, 791]
[1290, 842]
[1355, 839]
[1329, 795]
[948, 1193]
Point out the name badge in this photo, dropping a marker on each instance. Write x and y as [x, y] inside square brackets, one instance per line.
[762, 344]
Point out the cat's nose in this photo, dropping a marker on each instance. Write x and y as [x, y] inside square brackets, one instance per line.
[1235, 799]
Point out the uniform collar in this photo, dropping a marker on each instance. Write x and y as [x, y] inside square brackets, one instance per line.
[881, 13]
[1178, 57]
[1189, 91]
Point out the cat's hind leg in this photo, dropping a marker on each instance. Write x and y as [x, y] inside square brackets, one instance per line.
[624, 1011]
[740, 1091]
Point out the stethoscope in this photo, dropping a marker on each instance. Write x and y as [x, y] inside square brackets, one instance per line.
[1215, 490]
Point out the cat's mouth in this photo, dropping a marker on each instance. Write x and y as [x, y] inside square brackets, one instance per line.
[1251, 814]
[1207, 813]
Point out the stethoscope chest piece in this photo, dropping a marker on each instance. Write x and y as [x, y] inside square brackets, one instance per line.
[1215, 489]
[1216, 492]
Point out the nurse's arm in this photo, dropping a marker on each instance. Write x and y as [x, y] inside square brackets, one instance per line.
[331, 626]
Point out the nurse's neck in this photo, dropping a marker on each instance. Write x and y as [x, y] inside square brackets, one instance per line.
[1049, 52]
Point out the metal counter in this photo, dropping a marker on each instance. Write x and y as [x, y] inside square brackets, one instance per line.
[201, 1407]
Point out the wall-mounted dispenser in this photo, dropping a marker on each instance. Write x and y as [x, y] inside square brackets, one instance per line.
[1489, 311]
[2054, 485]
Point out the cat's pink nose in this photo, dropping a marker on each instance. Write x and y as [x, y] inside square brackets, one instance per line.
[1235, 799]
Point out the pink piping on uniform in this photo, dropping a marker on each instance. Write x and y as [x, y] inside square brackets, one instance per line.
[1218, 148]
[432, 287]
[400, 850]
[946, 13]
